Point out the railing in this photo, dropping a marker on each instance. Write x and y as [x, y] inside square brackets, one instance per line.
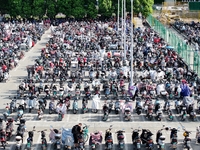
[189, 55]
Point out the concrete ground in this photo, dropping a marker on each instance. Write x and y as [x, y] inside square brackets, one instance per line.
[94, 120]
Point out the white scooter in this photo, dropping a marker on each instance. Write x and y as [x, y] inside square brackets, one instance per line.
[127, 114]
[198, 104]
[18, 140]
[198, 135]
[6, 76]
[40, 114]
[161, 142]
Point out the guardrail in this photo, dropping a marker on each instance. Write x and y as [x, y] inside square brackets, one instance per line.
[191, 57]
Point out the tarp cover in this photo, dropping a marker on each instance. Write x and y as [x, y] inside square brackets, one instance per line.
[188, 100]
[67, 137]
[96, 102]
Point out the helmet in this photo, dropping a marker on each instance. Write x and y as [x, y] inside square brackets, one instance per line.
[185, 134]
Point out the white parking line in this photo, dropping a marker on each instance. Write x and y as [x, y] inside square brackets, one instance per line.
[78, 120]
[25, 141]
[49, 146]
[38, 143]
[125, 141]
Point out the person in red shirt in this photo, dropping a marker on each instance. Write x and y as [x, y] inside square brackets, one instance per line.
[51, 65]
[4, 68]
[84, 60]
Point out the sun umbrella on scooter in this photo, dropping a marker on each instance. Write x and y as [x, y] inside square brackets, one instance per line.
[169, 47]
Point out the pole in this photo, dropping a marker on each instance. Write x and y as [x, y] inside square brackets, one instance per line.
[118, 18]
[97, 6]
[124, 30]
[132, 43]
[122, 22]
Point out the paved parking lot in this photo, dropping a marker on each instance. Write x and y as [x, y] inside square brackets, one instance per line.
[92, 119]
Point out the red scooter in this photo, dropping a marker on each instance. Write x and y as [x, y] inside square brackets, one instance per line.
[3, 138]
[95, 139]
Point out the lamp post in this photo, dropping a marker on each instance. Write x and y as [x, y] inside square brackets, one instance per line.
[131, 43]
[118, 18]
[122, 22]
[56, 8]
[124, 30]
[45, 5]
[97, 6]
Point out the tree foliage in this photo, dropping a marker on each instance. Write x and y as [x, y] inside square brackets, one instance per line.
[77, 8]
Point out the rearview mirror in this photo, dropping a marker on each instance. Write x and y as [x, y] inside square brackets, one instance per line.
[167, 128]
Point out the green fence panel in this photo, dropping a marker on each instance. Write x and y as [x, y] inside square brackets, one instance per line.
[191, 57]
[194, 5]
[195, 61]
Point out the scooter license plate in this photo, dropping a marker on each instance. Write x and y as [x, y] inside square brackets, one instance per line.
[28, 145]
[162, 146]
[174, 146]
[138, 145]
[44, 146]
[109, 145]
[58, 146]
[121, 145]
[188, 142]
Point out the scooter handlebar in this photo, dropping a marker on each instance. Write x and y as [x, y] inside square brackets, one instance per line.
[120, 131]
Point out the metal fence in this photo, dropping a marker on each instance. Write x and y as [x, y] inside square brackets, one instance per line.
[194, 5]
[189, 55]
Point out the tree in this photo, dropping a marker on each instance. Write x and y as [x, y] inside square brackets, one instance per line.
[39, 8]
[51, 9]
[105, 8]
[107, 4]
[64, 6]
[78, 10]
[143, 6]
[25, 7]
[5, 6]
[91, 10]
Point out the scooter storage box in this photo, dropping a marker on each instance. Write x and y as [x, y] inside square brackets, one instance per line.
[184, 108]
[22, 121]
[18, 138]
[57, 136]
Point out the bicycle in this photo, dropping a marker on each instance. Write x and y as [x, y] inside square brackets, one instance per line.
[85, 133]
